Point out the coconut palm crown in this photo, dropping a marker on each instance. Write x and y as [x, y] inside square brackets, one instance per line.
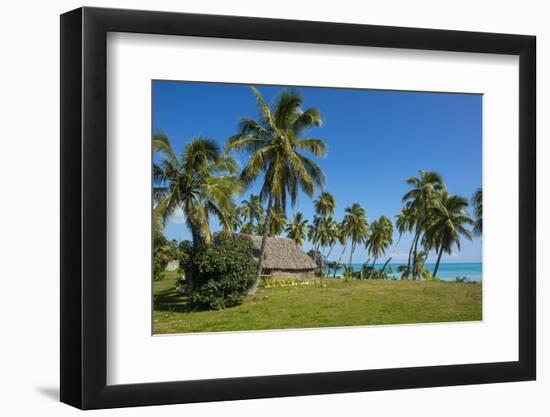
[448, 221]
[380, 237]
[297, 229]
[419, 200]
[356, 227]
[325, 204]
[201, 182]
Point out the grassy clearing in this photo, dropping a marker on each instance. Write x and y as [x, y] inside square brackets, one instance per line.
[355, 303]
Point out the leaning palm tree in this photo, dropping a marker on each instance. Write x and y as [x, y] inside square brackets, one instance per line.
[448, 225]
[355, 223]
[276, 149]
[420, 199]
[477, 202]
[297, 229]
[380, 238]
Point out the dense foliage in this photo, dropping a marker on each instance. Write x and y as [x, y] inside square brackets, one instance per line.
[223, 273]
[164, 251]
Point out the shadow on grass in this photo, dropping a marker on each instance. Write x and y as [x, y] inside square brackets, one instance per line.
[172, 300]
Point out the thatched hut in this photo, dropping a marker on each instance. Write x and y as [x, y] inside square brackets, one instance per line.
[283, 258]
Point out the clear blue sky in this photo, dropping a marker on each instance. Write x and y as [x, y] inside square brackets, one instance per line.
[376, 139]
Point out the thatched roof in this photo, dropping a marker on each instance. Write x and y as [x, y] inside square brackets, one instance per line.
[281, 253]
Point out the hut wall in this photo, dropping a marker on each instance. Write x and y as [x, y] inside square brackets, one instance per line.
[299, 274]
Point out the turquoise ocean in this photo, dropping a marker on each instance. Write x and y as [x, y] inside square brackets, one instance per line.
[447, 271]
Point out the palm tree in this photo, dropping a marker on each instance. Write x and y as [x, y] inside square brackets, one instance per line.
[297, 229]
[423, 272]
[343, 237]
[276, 149]
[325, 205]
[277, 223]
[327, 233]
[232, 221]
[477, 202]
[355, 223]
[380, 238]
[328, 238]
[420, 199]
[314, 236]
[323, 233]
[201, 183]
[252, 211]
[448, 225]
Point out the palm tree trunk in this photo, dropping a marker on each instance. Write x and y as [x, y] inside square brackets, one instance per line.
[189, 278]
[410, 254]
[438, 260]
[326, 257]
[322, 269]
[386, 264]
[339, 261]
[351, 254]
[262, 248]
[415, 253]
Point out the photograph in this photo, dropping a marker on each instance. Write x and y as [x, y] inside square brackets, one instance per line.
[292, 207]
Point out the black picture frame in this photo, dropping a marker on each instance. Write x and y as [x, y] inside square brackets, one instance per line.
[84, 207]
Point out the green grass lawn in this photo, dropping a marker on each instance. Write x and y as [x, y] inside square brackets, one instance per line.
[355, 303]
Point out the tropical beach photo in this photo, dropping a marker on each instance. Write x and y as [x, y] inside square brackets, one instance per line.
[295, 207]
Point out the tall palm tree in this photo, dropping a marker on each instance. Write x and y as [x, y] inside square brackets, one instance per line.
[314, 232]
[343, 237]
[404, 223]
[420, 199]
[477, 202]
[323, 233]
[448, 224]
[324, 206]
[252, 211]
[297, 229]
[355, 223]
[380, 237]
[276, 149]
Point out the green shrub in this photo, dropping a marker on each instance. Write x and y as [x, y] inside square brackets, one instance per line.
[223, 273]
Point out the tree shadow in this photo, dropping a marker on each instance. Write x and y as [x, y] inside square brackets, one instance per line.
[172, 300]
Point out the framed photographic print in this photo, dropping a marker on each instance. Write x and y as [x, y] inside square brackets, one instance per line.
[257, 208]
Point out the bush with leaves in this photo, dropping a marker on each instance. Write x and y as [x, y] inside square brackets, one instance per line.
[223, 273]
[163, 253]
